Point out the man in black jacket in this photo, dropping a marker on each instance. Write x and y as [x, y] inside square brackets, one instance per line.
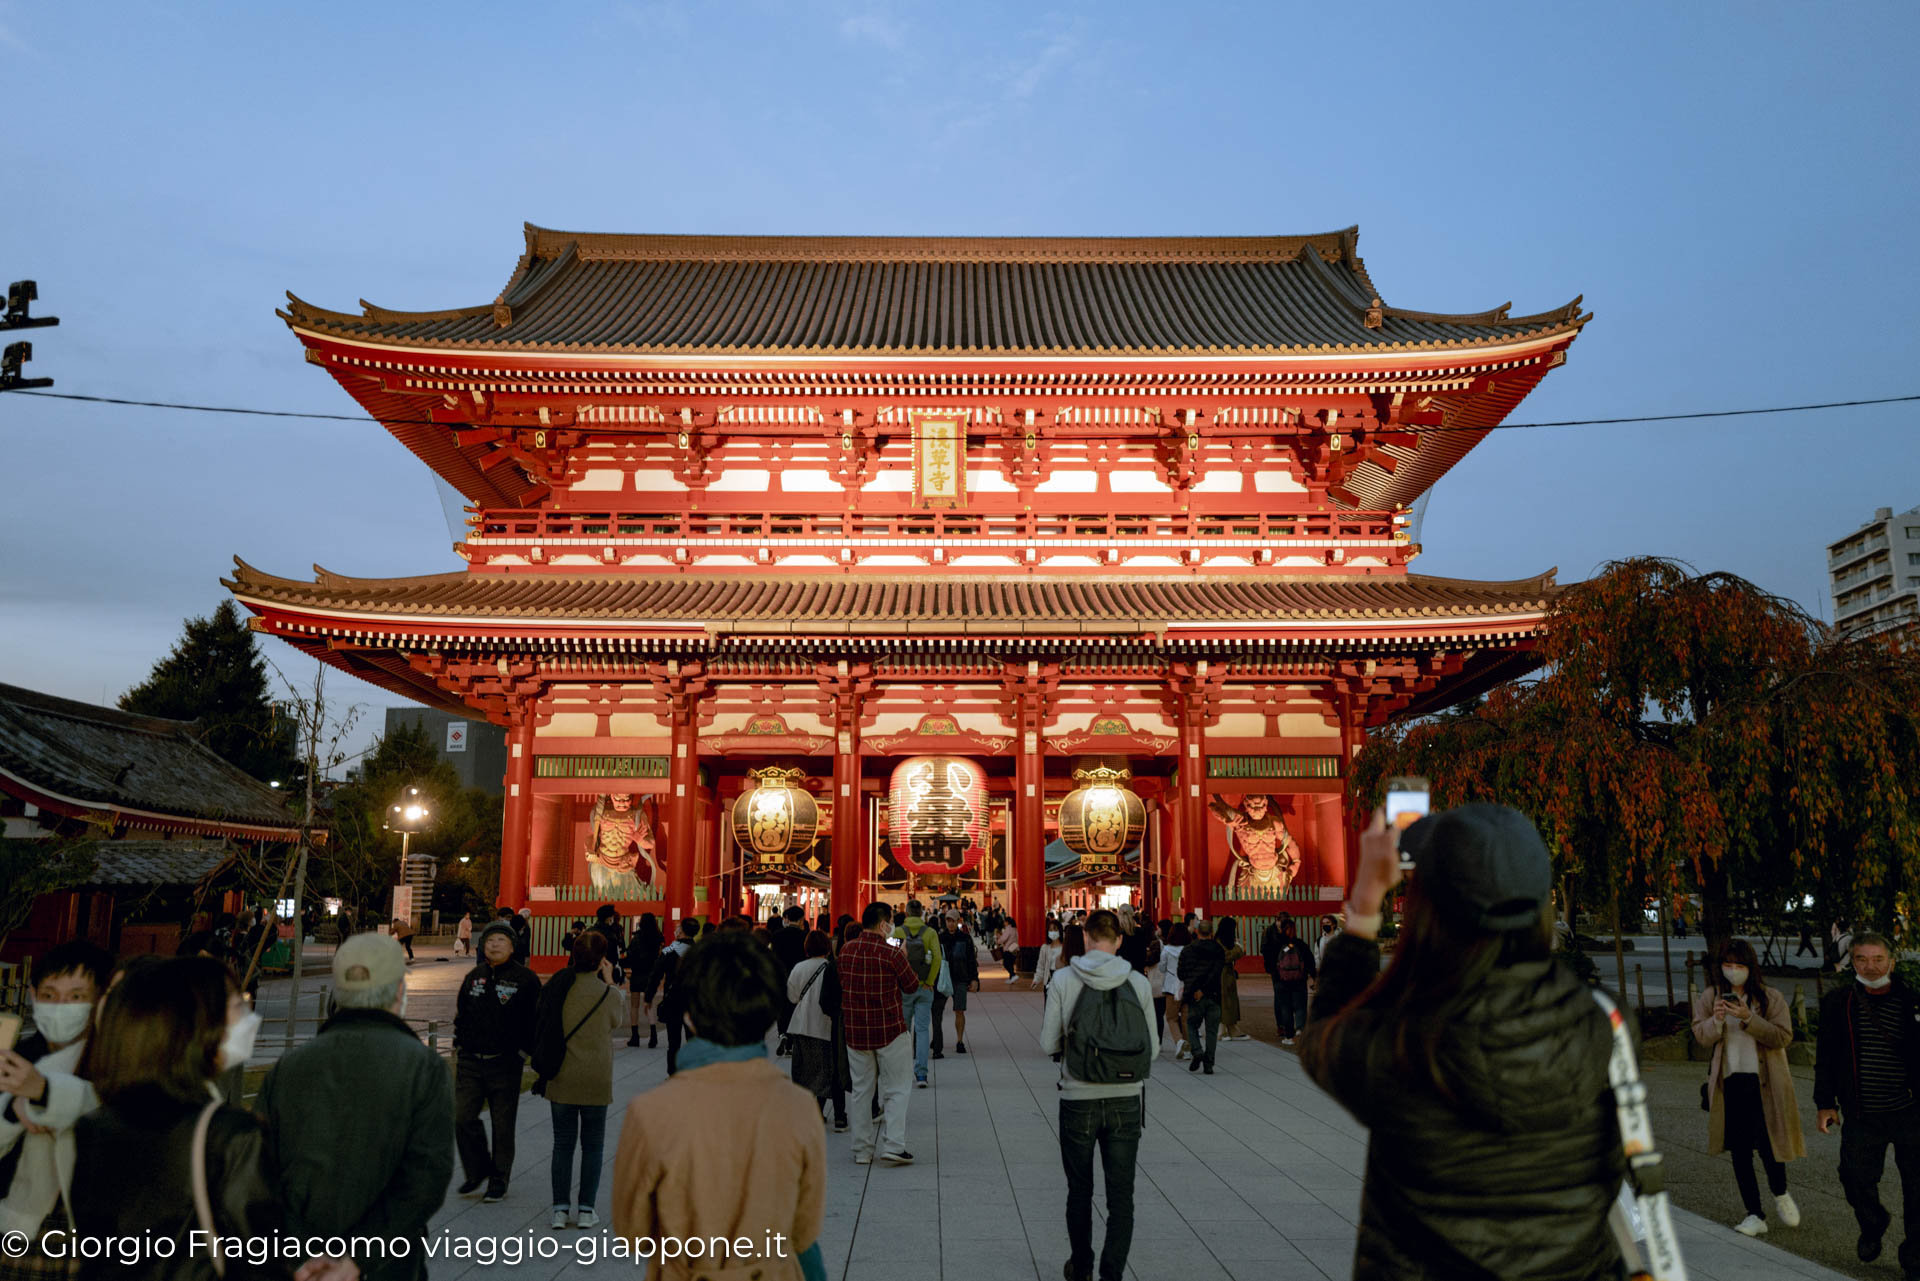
[493, 1029]
[1289, 963]
[1201, 963]
[963, 973]
[358, 1119]
[672, 1008]
[1867, 1069]
[789, 949]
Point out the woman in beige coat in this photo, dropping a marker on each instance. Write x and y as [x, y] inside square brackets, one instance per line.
[580, 1093]
[1751, 1103]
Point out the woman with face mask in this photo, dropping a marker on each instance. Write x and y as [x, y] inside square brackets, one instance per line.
[1050, 954]
[1751, 1105]
[162, 1136]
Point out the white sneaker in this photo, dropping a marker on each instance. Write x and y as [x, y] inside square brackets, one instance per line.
[1286, 1040]
[1179, 1049]
[559, 1219]
[1751, 1226]
[1789, 1212]
[586, 1219]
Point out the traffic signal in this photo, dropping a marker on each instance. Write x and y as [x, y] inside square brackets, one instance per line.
[20, 298]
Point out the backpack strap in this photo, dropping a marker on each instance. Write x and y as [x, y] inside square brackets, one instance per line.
[1646, 1176]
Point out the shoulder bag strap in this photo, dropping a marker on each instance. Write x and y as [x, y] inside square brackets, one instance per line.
[604, 989]
[1645, 1173]
[808, 985]
[202, 1199]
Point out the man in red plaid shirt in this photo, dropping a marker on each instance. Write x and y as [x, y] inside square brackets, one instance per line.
[874, 975]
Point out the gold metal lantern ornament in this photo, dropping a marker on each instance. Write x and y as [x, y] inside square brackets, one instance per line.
[1101, 819]
[776, 818]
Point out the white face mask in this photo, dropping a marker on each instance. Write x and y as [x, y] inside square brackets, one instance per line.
[1053, 936]
[237, 1047]
[1875, 984]
[61, 1022]
[1734, 974]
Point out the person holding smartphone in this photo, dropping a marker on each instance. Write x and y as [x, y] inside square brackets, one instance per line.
[1751, 1108]
[1478, 1062]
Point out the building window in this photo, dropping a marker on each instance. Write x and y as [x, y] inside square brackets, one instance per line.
[1913, 531]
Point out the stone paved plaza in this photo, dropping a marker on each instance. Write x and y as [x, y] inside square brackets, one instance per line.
[1249, 1174]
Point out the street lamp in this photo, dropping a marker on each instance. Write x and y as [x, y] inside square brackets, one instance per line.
[407, 816]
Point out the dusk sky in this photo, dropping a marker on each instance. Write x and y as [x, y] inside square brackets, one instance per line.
[1733, 187]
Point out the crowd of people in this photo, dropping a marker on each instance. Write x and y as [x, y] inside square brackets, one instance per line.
[1476, 1059]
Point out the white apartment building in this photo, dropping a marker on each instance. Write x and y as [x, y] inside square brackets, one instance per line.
[1875, 573]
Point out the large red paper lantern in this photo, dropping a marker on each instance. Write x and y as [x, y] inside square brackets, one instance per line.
[937, 817]
[776, 819]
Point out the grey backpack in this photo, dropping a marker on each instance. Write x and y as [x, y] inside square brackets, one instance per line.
[1107, 1038]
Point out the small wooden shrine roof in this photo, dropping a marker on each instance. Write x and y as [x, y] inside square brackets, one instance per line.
[937, 296]
[99, 762]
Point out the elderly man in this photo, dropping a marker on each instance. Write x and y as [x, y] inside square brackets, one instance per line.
[1867, 1071]
[360, 1119]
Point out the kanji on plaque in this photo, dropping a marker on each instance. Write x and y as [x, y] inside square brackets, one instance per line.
[939, 460]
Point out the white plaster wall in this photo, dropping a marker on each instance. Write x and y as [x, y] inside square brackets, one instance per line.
[741, 480]
[1277, 482]
[598, 479]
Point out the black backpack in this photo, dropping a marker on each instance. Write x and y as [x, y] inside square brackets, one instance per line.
[1107, 1038]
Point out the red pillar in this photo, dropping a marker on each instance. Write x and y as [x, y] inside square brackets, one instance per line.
[1029, 833]
[850, 852]
[683, 837]
[516, 826]
[1191, 806]
[712, 878]
[1330, 843]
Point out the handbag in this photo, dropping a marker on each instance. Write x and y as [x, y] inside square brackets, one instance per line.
[1644, 1216]
[540, 1085]
[202, 1200]
[943, 981]
[785, 1047]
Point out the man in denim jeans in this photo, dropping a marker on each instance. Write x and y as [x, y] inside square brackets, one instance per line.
[1105, 1116]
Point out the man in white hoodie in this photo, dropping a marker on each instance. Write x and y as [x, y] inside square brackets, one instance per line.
[44, 1094]
[1099, 1027]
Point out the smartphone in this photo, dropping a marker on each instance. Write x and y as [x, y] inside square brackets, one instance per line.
[1407, 803]
[9, 1030]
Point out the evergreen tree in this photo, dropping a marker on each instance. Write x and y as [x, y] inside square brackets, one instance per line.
[216, 677]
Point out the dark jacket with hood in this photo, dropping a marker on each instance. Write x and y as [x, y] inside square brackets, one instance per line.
[1516, 1177]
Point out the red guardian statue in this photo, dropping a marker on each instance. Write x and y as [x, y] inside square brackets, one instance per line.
[620, 848]
[1264, 855]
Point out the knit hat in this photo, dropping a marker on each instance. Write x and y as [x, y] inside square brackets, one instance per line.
[497, 927]
[1484, 865]
[368, 961]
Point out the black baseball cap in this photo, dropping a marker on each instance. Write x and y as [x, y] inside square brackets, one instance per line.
[1484, 865]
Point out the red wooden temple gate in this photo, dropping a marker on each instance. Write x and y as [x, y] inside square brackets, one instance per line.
[840, 501]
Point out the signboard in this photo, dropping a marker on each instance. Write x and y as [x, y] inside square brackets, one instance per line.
[456, 736]
[939, 460]
[402, 903]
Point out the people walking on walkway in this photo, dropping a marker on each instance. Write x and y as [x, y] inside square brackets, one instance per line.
[874, 976]
[1202, 963]
[789, 943]
[1227, 935]
[813, 997]
[643, 953]
[1478, 1062]
[963, 973]
[920, 942]
[1049, 959]
[1099, 1027]
[1008, 942]
[360, 1119]
[1867, 1081]
[1291, 965]
[663, 989]
[727, 1148]
[1750, 1088]
[463, 936]
[166, 1032]
[495, 1017]
[579, 1015]
[403, 931]
[1329, 930]
[1178, 938]
[44, 1096]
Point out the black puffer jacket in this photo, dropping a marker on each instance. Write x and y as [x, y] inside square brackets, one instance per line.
[1514, 1180]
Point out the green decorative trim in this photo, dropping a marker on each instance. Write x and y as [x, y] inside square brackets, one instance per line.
[599, 767]
[1273, 767]
[1291, 894]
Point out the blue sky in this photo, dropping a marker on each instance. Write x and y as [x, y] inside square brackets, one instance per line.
[1732, 186]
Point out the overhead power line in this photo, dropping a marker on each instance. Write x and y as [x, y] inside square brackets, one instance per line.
[1422, 431]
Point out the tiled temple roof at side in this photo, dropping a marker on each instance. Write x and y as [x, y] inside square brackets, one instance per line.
[820, 604]
[107, 760]
[938, 296]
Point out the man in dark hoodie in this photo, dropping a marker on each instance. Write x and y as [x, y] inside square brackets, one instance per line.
[1201, 962]
[493, 1030]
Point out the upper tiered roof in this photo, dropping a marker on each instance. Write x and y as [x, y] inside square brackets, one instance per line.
[935, 296]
